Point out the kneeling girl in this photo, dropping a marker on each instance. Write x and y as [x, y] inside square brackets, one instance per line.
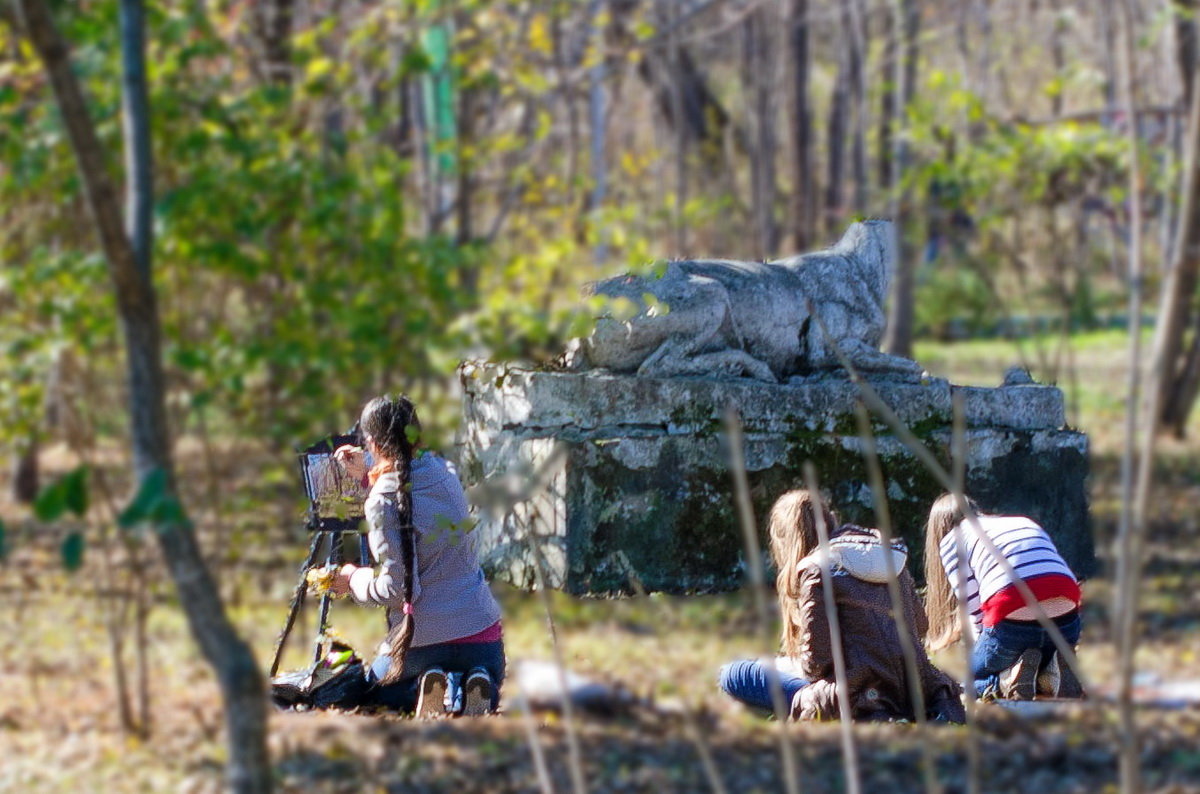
[875, 667]
[1014, 656]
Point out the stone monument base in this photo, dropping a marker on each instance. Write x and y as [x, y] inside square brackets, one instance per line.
[595, 477]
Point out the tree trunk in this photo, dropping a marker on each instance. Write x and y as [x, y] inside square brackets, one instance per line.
[135, 118]
[856, 38]
[1058, 57]
[1107, 33]
[26, 480]
[836, 146]
[466, 131]
[272, 23]
[703, 120]
[1179, 287]
[1186, 45]
[804, 187]
[597, 122]
[667, 13]
[901, 319]
[888, 75]
[986, 70]
[238, 674]
[757, 64]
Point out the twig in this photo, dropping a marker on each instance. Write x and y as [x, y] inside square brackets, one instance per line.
[883, 520]
[958, 460]
[849, 750]
[754, 568]
[1133, 509]
[574, 754]
[535, 747]
[690, 726]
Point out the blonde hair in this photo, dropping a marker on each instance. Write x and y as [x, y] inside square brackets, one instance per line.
[793, 533]
[941, 601]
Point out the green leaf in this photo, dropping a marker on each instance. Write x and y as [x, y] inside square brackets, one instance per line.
[72, 551]
[75, 491]
[50, 503]
[68, 492]
[149, 493]
[154, 504]
[3, 542]
[412, 433]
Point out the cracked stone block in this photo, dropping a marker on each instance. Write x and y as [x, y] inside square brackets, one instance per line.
[591, 480]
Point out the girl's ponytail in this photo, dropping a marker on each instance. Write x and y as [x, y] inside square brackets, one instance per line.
[400, 637]
[393, 425]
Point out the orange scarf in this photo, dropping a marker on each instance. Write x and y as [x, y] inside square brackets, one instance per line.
[379, 469]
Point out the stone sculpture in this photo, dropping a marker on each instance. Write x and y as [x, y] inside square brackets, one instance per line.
[619, 471]
[765, 320]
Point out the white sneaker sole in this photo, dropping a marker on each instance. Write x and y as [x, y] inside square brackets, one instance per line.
[431, 701]
[477, 697]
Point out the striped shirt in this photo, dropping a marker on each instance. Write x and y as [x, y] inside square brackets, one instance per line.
[451, 599]
[1021, 541]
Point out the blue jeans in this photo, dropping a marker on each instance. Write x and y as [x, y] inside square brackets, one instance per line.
[999, 647]
[462, 657]
[746, 680]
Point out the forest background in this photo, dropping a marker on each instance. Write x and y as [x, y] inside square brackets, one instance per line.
[302, 203]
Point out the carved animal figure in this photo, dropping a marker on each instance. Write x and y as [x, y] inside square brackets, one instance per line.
[757, 319]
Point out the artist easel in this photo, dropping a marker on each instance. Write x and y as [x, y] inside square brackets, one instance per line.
[328, 543]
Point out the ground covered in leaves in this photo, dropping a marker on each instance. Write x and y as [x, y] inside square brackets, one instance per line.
[61, 730]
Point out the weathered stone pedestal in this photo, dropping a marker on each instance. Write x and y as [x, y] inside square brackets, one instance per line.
[604, 475]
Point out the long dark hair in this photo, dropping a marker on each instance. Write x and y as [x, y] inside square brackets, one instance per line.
[392, 424]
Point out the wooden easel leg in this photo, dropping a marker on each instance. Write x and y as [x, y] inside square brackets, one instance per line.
[297, 602]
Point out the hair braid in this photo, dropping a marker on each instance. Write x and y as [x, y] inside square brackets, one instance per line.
[394, 428]
[400, 636]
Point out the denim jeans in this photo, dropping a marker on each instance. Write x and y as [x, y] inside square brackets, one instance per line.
[999, 647]
[746, 680]
[462, 657]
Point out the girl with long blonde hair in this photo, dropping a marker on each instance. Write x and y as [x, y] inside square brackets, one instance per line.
[857, 569]
[1014, 656]
[792, 529]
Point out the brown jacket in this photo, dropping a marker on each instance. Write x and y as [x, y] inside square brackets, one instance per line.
[870, 639]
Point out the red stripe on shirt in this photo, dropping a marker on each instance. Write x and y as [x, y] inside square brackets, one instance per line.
[490, 634]
[1009, 599]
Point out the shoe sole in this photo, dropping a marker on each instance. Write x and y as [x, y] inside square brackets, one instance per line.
[1049, 678]
[477, 698]
[431, 704]
[1024, 685]
[1069, 687]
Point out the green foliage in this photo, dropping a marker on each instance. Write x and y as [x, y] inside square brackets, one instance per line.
[71, 551]
[155, 504]
[1022, 213]
[309, 254]
[69, 492]
[3, 542]
[948, 295]
[299, 264]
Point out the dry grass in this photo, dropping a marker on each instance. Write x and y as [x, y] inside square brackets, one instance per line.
[60, 731]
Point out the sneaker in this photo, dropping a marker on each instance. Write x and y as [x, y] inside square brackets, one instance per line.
[1049, 678]
[1069, 686]
[431, 694]
[1019, 682]
[477, 694]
